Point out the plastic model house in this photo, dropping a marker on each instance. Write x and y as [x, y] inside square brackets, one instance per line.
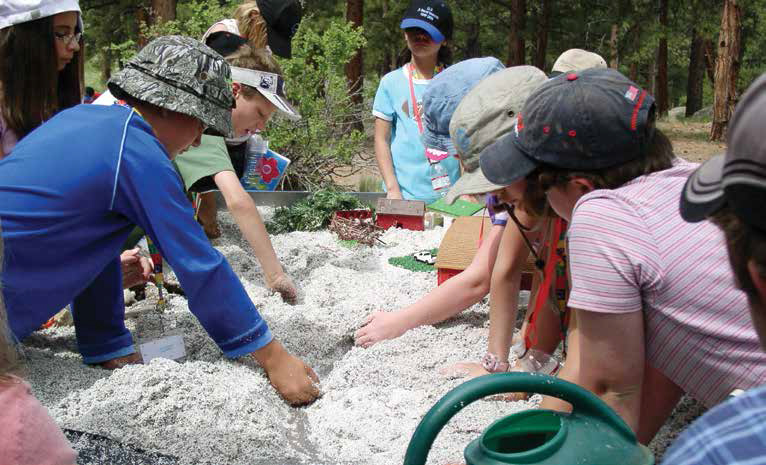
[407, 214]
[460, 244]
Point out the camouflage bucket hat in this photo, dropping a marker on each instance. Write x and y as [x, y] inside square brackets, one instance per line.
[183, 75]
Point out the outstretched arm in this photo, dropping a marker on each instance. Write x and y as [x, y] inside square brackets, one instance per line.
[608, 360]
[249, 220]
[504, 291]
[442, 303]
[384, 158]
[150, 194]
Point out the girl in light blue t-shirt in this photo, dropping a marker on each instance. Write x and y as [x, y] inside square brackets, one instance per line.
[397, 108]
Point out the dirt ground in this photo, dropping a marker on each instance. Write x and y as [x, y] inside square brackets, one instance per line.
[690, 141]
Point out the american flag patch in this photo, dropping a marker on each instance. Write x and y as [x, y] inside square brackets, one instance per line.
[631, 93]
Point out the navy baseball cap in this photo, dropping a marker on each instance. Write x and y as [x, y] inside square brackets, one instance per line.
[433, 16]
[586, 120]
[282, 19]
[225, 43]
[738, 178]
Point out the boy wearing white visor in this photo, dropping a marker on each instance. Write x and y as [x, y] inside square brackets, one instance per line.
[218, 163]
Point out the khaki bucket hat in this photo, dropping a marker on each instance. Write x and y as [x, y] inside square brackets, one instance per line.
[576, 59]
[183, 75]
[485, 114]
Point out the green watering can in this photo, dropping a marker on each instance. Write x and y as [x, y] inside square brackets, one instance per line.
[593, 434]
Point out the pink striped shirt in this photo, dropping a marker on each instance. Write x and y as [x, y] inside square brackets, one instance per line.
[630, 250]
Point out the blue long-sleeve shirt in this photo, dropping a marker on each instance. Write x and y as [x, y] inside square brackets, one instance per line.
[70, 193]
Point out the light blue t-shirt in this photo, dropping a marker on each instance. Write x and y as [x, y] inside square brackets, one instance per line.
[393, 103]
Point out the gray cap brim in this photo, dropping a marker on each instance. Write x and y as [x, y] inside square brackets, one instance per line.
[470, 183]
[703, 193]
[503, 163]
[149, 89]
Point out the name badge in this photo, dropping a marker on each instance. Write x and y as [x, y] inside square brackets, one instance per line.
[170, 347]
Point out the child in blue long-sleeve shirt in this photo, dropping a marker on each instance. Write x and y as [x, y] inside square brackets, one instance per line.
[75, 187]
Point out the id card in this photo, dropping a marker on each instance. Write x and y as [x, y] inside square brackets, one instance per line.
[171, 347]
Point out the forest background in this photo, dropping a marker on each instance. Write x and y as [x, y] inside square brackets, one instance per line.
[697, 54]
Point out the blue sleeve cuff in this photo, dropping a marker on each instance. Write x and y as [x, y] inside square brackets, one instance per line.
[93, 359]
[250, 345]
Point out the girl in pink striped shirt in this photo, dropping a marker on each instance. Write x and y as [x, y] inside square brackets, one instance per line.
[657, 311]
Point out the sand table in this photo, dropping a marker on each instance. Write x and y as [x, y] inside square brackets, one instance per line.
[210, 410]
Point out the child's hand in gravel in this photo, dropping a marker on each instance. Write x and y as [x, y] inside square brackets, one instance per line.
[285, 287]
[380, 326]
[295, 381]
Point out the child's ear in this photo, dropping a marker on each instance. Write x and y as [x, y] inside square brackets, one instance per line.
[583, 184]
[758, 279]
[236, 88]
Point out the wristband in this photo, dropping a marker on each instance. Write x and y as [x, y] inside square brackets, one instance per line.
[497, 215]
[492, 364]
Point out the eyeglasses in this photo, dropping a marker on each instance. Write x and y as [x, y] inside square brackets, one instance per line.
[68, 38]
[511, 209]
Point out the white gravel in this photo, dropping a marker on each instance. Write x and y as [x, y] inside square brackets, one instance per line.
[210, 410]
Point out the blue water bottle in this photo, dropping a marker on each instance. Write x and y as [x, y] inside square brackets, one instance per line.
[257, 147]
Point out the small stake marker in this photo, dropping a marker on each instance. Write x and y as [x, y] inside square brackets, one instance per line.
[158, 278]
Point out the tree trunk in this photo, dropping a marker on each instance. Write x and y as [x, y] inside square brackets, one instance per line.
[354, 68]
[542, 34]
[727, 69]
[614, 60]
[472, 47]
[516, 55]
[662, 62]
[710, 60]
[163, 10]
[634, 72]
[142, 19]
[696, 74]
[389, 50]
[652, 75]
[106, 64]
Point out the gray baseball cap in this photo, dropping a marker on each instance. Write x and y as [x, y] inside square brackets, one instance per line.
[183, 75]
[443, 95]
[576, 59]
[589, 120]
[486, 113]
[738, 178]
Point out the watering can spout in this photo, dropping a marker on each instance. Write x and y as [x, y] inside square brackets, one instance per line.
[592, 434]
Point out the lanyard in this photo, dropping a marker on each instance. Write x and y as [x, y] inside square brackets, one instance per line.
[431, 155]
[414, 100]
[544, 288]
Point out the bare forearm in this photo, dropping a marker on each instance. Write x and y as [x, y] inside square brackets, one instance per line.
[386, 167]
[460, 292]
[504, 291]
[606, 356]
[251, 225]
[383, 155]
[503, 308]
[445, 301]
[624, 401]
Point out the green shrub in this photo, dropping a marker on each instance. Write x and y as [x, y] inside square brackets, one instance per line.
[312, 213]
[324, 139]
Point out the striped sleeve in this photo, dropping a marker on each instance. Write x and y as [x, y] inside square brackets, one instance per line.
[613, 258]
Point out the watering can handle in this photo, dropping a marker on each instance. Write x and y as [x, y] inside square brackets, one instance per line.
[581, 399]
